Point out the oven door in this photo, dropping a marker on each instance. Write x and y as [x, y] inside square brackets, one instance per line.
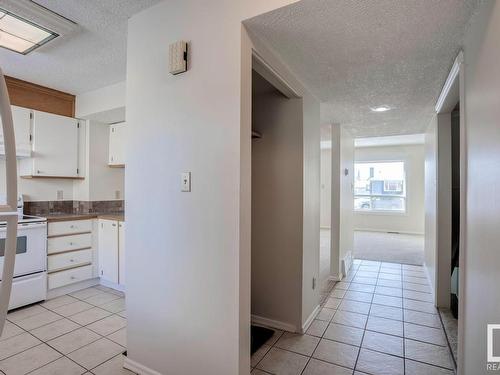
[31, 251]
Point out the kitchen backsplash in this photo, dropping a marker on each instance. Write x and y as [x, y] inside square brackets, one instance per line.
[73, 207]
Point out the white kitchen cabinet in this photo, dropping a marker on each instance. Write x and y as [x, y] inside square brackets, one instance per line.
[108, 250]
[22, 130]
[117, 145]
[54, 147]
[121, 253]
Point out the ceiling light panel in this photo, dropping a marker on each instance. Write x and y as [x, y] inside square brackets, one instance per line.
[20, 35]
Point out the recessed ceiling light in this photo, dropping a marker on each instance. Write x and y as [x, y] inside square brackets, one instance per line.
[20, 35]
[382, 108]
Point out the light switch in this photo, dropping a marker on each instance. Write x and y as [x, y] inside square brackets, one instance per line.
[186, 181]
[177, 58]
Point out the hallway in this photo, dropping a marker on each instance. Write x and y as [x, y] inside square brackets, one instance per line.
[378, 320]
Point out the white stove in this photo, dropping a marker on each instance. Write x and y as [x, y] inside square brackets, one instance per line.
[30, 270]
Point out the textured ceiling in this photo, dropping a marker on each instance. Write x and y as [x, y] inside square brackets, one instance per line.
[353, 55]
[92, 57]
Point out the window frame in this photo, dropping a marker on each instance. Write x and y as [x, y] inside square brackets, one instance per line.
[382, 211]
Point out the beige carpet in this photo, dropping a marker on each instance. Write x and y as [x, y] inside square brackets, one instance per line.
[389, 247]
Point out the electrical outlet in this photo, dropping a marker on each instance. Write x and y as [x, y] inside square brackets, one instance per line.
[60, 195]
[117, 194]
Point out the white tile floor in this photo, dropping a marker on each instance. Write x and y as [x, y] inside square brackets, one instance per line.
[379, 321]
[79, 333]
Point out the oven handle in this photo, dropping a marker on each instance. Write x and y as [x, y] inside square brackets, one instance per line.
[8, 212]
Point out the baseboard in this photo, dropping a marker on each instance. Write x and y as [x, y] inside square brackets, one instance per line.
[259, 320]
[53, 293]
[111, 285]
[138, 368]
[387, 231]
[337, 277]
[310, 319]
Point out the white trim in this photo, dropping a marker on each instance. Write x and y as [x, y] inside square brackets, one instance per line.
[111, 285]
[310, 319]
[138, 368]
[449, 83]
[259, 320]
[266, 70]
[388, 231]
[463, 223]
[335, 277]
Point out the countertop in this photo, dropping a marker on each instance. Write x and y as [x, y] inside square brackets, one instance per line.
[119, 216]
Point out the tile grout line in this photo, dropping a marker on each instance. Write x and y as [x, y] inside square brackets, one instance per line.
[366, 324]
[42, 342]
[448, 342]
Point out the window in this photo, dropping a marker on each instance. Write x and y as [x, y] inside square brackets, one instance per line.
[380, 187]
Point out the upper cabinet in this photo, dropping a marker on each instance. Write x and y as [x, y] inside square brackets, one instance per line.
[55, 147]
[22, 130]
[117, 145]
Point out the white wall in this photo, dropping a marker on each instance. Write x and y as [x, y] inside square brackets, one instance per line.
[101, 182]
[342, 225]
[105, 182]
[326, 187]
[430, 182]
[346, 193]
[101, 100]
[191, 251]
[482, 255]
[413, 220]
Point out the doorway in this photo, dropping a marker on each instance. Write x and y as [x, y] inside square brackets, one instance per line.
[389, 214]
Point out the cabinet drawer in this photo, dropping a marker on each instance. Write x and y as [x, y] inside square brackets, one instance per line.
[71, 276]
[68, 243]
[69, 260]
[68, 227]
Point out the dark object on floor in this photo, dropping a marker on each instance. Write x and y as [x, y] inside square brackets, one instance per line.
[454, 306]
[259, 336]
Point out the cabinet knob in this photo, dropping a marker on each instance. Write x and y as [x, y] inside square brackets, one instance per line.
[72, 226]
[72, 277]
[72, 260]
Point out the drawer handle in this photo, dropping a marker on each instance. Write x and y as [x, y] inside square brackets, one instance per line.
[71, 260]
[72, 277]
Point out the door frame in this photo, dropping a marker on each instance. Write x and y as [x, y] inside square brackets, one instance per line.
[453, 92]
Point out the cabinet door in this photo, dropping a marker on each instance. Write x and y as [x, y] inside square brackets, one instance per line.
[121, 252]
[22, 128]
[55, 145]
[108, 250]
[117, 144]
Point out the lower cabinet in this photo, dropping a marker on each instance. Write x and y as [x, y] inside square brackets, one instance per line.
[111, 251]
[70, 254]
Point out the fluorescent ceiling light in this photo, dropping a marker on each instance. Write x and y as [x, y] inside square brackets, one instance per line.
[20, 35]
[382, 108]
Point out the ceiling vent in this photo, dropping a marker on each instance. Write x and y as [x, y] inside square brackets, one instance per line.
[26, 26]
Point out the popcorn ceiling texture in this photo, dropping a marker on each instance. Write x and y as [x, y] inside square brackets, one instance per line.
[353, 55]
[92, 57]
